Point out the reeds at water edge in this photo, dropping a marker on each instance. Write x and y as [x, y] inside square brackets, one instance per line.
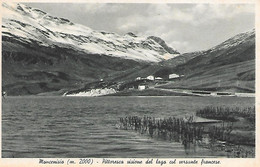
[216, 136]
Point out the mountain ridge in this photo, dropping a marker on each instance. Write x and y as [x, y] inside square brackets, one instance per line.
[33, 24]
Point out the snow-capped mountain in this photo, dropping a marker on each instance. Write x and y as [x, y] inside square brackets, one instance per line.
[236, 40]
[29, 25]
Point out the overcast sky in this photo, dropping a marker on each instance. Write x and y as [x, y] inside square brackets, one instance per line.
[185, 27]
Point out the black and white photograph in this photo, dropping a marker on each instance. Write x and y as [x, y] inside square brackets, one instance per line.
[128, 80]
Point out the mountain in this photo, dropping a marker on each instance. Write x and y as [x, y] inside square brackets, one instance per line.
[228, 66]
[33, 25]
[42, 53]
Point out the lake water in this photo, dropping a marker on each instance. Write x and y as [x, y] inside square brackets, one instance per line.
[34, 127]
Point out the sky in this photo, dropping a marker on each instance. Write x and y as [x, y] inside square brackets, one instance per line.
[185, 27]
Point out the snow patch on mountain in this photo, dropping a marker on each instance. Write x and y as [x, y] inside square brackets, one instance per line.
[28, 24]
[234, 41]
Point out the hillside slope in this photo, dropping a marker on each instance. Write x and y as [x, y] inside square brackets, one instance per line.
[229, 66]
[32, 70]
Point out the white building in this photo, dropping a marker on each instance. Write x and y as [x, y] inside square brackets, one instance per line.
[138, 78]
[141, 87]
[150, 77]
[158, 78]
[173, 76]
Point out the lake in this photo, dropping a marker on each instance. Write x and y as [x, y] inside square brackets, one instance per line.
[76, 127]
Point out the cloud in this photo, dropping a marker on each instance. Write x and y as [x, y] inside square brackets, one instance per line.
[207, 13]
[101, 8]
[180, 45]
[229, 11]
[168, 12]
[156, 17]
[146, 17]
[164, 14]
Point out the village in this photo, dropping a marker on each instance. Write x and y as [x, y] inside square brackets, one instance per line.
[155, 81]
[146, 86]
[103, 87]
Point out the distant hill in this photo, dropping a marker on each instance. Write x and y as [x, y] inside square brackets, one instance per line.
[228, 66]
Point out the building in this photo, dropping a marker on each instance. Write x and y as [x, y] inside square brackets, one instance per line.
[142, 87]
[150, 77]
[138, 78]
[158, 78]
[174, 76]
